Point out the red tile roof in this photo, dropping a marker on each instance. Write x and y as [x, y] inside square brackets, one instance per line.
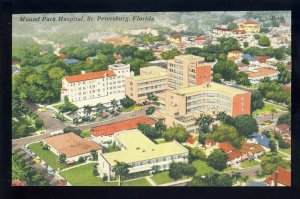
[262, 59]
[261, 72]
[63, 56]
[249, 22]
[90, 76]
[236, 52]
[175, 36]
[191, 140]
[234, 154]
[200, 38]
[233, 58]
[239, 31]
[110, 129]
[226, 147]
[211, 142]
[18, 183]
[284, 177]
[283, 126]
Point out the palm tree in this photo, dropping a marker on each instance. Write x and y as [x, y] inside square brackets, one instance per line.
[236, 176]
[75, 121]
[121, 169]
[87, 109]
[273, 111]
[222, 116]
[245, 179]
[152, 97]
[203, 122]
[31, 115]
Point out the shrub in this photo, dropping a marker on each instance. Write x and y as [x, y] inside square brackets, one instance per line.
[105, 178]
[81, 159]
[39, 123]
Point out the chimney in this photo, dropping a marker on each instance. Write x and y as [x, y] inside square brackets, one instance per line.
[276, 173]
[83, 72]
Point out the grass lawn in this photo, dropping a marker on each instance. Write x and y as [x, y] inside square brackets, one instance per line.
[163, 178]
[83, 176]
[248, 163]
[267, 108]
[288, 151]
[128, 109]
[269, 155]
[48, 156]
[138, 182]
[228, 169]
[202, 167]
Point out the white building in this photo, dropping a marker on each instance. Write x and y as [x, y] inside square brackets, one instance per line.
[256, 75]
[92, 88]
[141, 154]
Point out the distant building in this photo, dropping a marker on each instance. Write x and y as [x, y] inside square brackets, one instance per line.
[256, 75]
[234, 156]
[141, 154]
[161, 63]
[18, 183]
[280, 177]
[235, 53]
[260, 139]
[118, 41]
[249, 26]
[95, 87]
[174, 38]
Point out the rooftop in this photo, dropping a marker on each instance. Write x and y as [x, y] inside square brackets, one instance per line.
[150, 72]
[251, 147]
[261, 72]
[212, 87]
[284, 177]
[71, 144]
[189, 57]
[90, 76]
[141, 149]
[226, 147]
[110, 129]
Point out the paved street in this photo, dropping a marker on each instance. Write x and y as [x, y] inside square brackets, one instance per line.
[250, 172]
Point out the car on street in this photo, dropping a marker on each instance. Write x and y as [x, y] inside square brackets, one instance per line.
[50, 171]
[37, 160]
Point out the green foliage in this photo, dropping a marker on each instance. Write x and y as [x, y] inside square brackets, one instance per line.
[271, 164]
[272, 90]
[232, 26]
[225, 132]
[273, 146]
[203, 122]
[177, 133]
[242, 79]
[256, 36]
[160, 127]
[177, 170]
[150, 110]
[23, 172]
[246, 125]
[282, 144]
[39, 123]
[126, 50]
[226, 68]
[170, 54]
[217, 160]
[212, 179]
[264, 41]
[197, 154]
[217, 77]
[284, 119]
[149, 131]
[246, 44]
[284, 76]
[62, 158]
[278, 53]
[245, 61]
[127, 102]
[81, 159]
[256, 101]
[113, 147]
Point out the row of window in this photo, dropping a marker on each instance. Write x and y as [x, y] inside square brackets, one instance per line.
[151, 82]
[175, 66]
[145, 94]
[157, 160]
[175, 81]
[208, 95]
[204, 101]
[93, 96]
[210, 107]
[175, 76]
[175, 71]
[152, 87]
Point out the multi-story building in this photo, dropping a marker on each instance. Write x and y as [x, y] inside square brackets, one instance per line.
[95, 87]
[141, 155]
[152, 79]
[250, 26]
[183, 106]
[188, 70]
[258, 74]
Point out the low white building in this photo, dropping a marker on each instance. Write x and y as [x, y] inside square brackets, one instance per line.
[92, 88]
[258, 74]
[141, 154]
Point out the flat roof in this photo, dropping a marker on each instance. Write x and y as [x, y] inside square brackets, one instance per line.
[212, 87]
[71, 144]
[188, 57]
[140, 148]
[154, 72]
[261, 72]
[113, 128]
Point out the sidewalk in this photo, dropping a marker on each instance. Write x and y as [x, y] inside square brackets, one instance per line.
[151, 181]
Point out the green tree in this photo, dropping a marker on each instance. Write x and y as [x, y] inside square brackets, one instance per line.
[127, 102]
[256, 100]
[160, 127]
[232, 26]
[62, 158]
[217, 77]
[202, 139]
[246, 125]
[273, 111]
[226, 68]
[175, 171]
[149, 131]
[114, 103]
[264, 41]
[246, 44]
[87, 109]
[273, 146]
[203, 122]
[197, 154]
[245, 61]
[121, 169]
[242, 79]
[39, 123]
[189, 170]
[94, 155]
[57, 73]
[282, 144]
[170, 54]
[177, 133]
[217, 160]
[221, 116]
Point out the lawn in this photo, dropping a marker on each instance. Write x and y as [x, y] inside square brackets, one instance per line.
[83, 176]
[128, 109]
[248, 163]
[163, 178]
[138, 182]
[202, 167]
[267, 108]
[288, 151]
[48, 156]
[269, 155]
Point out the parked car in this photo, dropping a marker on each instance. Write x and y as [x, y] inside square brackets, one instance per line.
[42, 109]
[50, 171]
[37, 160]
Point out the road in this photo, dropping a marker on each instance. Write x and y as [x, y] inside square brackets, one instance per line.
[250, 172]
